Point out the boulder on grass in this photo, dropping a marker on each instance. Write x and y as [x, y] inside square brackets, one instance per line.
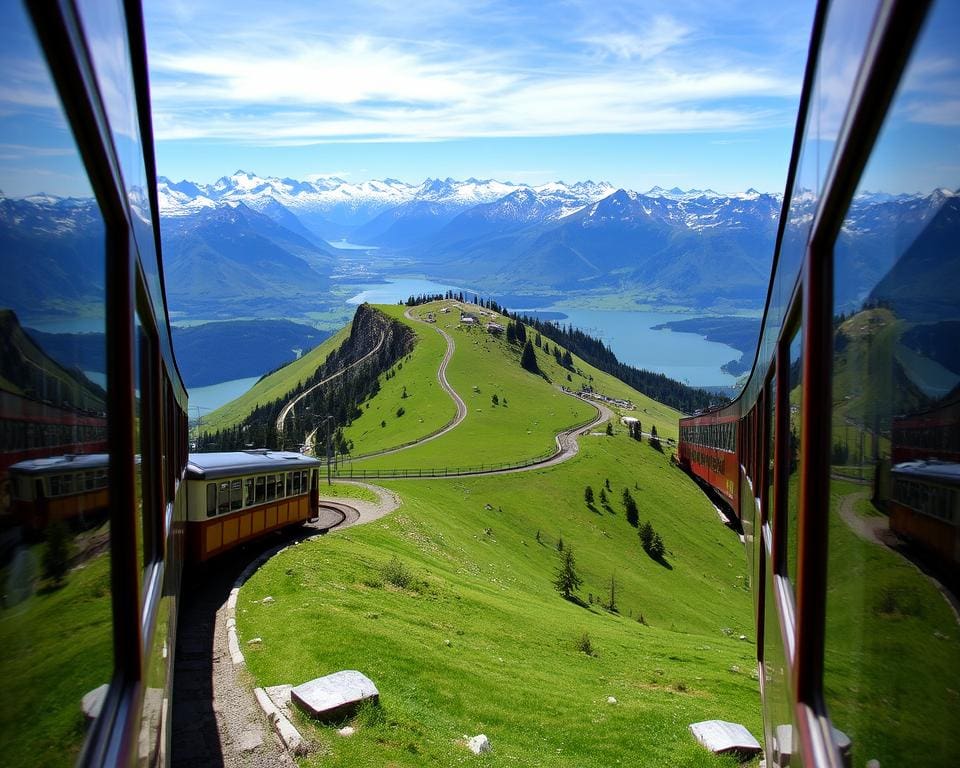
[335, 696]
[722, 738]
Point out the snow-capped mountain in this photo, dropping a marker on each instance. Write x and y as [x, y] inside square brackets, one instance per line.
[331, 207]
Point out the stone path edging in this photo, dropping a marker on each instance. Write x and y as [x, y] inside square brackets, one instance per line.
[292, 739]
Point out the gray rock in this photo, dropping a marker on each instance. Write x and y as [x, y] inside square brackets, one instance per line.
[267, 600]
[347, 731]
[479, 744]
[334, 696]
[611, 700]
[250, 741]
[92, 702]
[721, 737]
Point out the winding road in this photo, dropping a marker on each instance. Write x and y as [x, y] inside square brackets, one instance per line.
[567, 444]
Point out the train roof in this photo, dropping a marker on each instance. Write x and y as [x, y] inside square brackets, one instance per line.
[69, 462]
[208, 466]
[945, 471]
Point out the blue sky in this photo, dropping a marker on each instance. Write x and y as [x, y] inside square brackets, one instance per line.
[685, 93]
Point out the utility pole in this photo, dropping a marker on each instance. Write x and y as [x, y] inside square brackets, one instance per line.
[327, 422]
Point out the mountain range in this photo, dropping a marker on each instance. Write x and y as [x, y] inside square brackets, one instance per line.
[251, 246]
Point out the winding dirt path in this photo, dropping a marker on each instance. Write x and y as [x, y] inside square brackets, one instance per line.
[285, 411]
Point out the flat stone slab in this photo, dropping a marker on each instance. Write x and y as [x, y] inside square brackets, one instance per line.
[92, 702]
[334, 696]
[721, 737]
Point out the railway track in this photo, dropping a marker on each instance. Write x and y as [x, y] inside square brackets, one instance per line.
[217, 721]
[285, 411]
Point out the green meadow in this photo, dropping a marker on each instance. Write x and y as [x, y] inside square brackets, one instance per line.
[464, 632]
[58, 645]
[528, 413]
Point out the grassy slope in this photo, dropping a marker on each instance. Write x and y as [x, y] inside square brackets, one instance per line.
[427, 406]
[275, 385]
[484, 365]
[512, 668]
[57, 646]
[892, 654]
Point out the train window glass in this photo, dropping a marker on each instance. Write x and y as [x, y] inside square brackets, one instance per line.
[106, 33]
[260, 490]
[236, 494]
[296, 482]
[248, 496]
[211, 499]
[223, 497]
[280, 483]
[271, 487]
[289, 483]
[771, 442]
[891, 657]
[141, 369]
[56, 618]
[792, 459]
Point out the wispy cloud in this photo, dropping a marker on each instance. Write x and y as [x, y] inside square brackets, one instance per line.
[492, 70]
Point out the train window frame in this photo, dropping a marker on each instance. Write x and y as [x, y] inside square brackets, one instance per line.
[211, 503]
[792, 330]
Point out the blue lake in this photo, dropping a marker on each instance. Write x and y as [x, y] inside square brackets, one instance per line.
[400, 289]
[685, 357]
[212, 397]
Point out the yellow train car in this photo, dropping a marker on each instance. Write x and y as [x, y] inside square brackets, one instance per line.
[236, 496]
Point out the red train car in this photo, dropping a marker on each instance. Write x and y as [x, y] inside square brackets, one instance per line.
[708, 449]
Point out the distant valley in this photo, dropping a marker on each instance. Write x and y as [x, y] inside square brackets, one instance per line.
[248, 250]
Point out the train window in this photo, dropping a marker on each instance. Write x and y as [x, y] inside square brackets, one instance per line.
[223, 497]
[236, 494]
[271, 487]
[891, 657]
[280, 485]
[56, 620]
[211, 499]
[248, 495]
[141, 369]
[792, 459]
[296, 482]
[771, 433]
[289, 483]
[260, 490]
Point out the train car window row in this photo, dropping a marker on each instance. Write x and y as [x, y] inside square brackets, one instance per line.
[928, 498]
[719, 436]
[226, 495]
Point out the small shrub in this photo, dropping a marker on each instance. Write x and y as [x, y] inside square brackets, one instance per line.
[400, 411]
[585, 646]
[396, 573]
[560, 544]
[383, 423]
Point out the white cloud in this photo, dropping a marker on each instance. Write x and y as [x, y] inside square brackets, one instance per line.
[263, 83]
[662, 34]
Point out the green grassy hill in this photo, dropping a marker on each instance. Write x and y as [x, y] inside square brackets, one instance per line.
[477, 640]
[530, 409]
[275, 385]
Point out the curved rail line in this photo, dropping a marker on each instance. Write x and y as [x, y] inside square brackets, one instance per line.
[285, 411]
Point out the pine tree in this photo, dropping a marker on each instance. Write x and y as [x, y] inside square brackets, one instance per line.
[646, 535]
[657, 548]
[630, 507]
[588, 495]
[528, 360]
[56, 553]
[567, 580]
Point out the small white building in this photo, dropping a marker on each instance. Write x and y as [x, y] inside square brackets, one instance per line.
[628, 420]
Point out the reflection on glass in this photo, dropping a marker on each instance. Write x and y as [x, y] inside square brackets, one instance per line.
[771, 442]
[55, 606]
[793, 457]
[893, 639]
[778, 720]
[106, 31]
